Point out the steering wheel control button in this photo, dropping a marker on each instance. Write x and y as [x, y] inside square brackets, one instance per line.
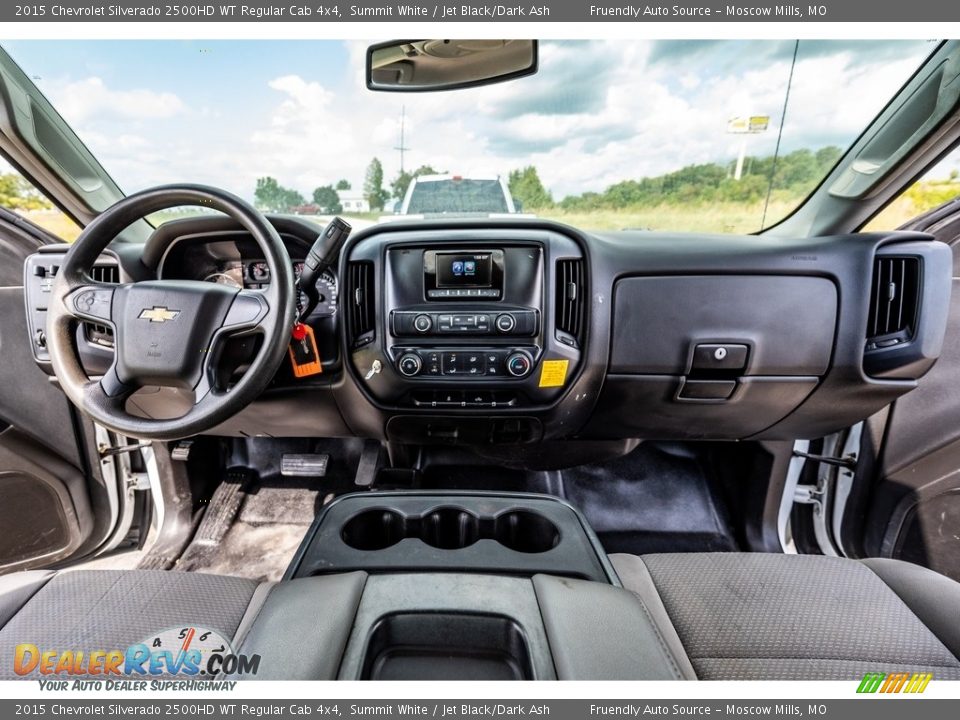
[519, 364]
[720, 356]
[506, 323]
[409, 364]
[422, 323]
[93, 303]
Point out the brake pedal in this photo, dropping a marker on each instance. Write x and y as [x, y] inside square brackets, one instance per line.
[304, 465]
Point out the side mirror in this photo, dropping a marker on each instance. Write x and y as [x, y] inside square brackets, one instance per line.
[423, 65]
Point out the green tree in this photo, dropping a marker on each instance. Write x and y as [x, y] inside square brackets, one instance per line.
[526, 187]
[343, 185]
[271, 196]
[398, 187]
[17, 194]
[327, 199]
[373, 189]
[796, 173]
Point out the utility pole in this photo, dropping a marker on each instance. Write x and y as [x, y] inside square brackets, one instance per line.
[401, 147]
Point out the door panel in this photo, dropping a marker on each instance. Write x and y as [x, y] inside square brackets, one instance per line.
[45, 508]
[914, 513]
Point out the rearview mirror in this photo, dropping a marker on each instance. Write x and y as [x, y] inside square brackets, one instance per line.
[422, 65]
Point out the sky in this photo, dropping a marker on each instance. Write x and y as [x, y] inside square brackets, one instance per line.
[227, 112]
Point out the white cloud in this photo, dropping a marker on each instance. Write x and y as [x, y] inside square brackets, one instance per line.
[82, 100]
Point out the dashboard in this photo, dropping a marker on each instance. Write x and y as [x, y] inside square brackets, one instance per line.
[518, 331]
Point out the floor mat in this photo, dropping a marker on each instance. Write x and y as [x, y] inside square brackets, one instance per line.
[252, 528]
[655, 499]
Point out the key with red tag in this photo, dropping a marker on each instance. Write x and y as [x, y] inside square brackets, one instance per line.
[304, 356]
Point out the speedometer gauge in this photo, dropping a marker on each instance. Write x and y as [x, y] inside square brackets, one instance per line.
[327, 292]
[222, 278]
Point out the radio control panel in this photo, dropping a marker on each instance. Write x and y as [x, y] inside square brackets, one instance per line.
[457, 321]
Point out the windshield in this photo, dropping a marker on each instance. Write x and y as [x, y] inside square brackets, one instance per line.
[717, 136]
[457, 196]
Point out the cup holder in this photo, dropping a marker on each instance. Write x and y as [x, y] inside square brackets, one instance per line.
[451, 528]
[374, 530]
[526, 532]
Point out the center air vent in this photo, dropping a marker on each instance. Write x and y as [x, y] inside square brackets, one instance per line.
[571, 295]
[894, 301]
[360, 303]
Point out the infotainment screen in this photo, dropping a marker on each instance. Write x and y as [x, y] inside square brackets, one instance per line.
[464, 270]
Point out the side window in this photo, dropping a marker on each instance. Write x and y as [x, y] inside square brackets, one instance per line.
[939, 185]
[20, 196]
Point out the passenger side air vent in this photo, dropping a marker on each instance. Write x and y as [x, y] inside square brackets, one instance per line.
[894, 301]
[570, 301]
[360, 303]
[97, 333]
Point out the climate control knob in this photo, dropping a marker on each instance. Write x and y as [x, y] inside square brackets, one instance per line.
[409, 364]
[519, 363]
[422, 323]
[506, 322]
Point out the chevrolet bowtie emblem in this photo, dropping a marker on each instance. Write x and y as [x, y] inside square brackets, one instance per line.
[158, 314]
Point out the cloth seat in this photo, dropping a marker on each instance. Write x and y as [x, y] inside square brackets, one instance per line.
[284, 623]
[715, 616]
[753, 616]
[112, 609]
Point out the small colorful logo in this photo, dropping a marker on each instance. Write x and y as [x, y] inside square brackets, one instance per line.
[188, 651]
[901, 682]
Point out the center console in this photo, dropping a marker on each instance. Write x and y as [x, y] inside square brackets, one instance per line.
[461, 323]
[455, 585]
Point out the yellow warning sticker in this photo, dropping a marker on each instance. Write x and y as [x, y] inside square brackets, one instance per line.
[553, 373]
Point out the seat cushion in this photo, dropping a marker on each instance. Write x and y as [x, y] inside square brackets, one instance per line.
[103, 609]
[753, 616]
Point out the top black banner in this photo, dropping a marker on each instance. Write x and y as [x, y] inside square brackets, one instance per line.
[550, 10]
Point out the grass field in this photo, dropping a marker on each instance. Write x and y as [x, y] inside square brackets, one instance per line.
[922, 196]
[56, 222]
[715, 218]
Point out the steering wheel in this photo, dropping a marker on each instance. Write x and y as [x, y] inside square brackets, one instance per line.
[168, 332]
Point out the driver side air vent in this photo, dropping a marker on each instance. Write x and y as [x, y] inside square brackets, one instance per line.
[360, 303]
[106, 274]
[571, 301]
[894, 301]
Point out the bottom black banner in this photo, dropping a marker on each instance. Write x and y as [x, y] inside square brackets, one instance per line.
[874, 708]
